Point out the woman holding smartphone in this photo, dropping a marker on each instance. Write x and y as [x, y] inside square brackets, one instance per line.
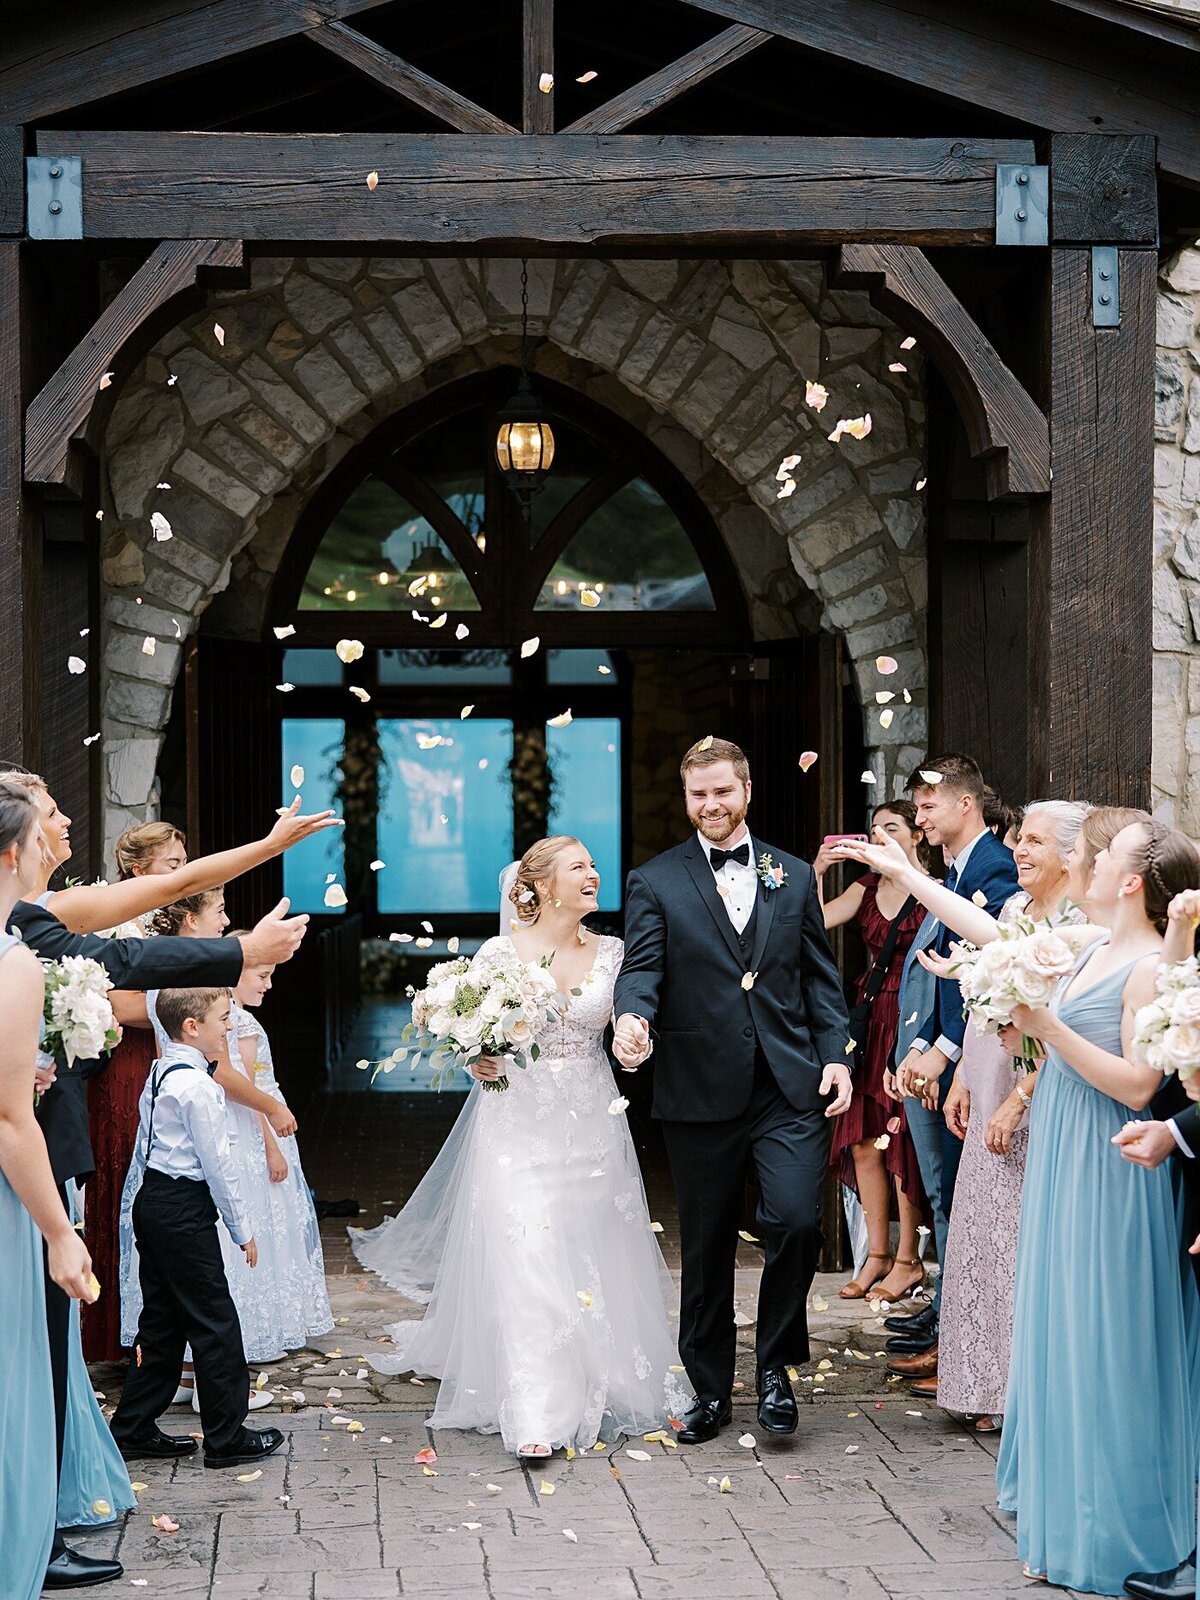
[872, 1149]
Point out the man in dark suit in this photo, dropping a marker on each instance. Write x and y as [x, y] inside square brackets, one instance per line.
[161, 963]
[1148, 1144]
[948, 792]
[728, 968]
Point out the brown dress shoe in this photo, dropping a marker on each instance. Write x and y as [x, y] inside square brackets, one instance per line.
[925, 1387]
[924, 1365]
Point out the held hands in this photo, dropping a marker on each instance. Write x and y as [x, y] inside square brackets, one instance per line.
[292, 828]
[250, 1251]
[70, 1266]
[1146, 1144]
[283, 1123]
[631, 1041]
[485, 1069]
[917, 1075]
[835, 1080]
[275, 939]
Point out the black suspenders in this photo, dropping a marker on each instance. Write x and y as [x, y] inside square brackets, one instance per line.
[176, 1066]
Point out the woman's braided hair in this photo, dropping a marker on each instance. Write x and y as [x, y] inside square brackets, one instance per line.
[1168, 863]
[170, 919]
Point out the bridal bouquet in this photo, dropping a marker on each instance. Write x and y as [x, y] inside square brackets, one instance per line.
[469, 1009]
[1022, 966]
[79, 1021]
[1166, 1033]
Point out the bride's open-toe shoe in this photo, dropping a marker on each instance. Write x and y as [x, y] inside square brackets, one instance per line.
[854, 1290]
[890, 1293]
[535, 1452]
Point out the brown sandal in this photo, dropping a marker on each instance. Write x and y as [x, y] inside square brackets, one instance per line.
[890, 1298]
[854, 1290]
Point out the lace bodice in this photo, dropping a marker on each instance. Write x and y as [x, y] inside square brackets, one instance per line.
[583, 1017]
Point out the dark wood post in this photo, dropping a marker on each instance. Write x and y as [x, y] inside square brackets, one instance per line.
[20, 525]
[537, 104]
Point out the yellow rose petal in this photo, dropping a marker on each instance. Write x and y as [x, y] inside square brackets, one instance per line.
[250, 1477]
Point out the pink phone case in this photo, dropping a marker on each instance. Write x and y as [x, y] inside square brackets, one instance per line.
[841, 838]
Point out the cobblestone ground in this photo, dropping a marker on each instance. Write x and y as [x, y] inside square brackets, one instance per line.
[877, 1494]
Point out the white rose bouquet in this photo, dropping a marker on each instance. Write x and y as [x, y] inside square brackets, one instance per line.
[469, 1009]
[1166, 1033]
[79, 1021]
[1022, 967]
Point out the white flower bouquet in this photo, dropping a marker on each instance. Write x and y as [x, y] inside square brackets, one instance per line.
[1023, 966]
[469, 1009]
[1166, 1033]
[79, 1021]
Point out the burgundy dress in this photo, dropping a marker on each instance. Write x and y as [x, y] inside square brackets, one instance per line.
[113, 1123]
[871, 1110]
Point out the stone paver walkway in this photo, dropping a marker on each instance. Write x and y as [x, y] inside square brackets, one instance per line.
[877, 1495]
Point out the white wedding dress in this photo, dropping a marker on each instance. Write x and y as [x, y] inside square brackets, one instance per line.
[530, 1239]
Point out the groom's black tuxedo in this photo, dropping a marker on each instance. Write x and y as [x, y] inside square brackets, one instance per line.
[736, 1077]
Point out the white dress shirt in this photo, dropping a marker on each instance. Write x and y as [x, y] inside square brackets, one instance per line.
[191, 1139]
[737, 885]
[1180, 1140]
[949, 1049]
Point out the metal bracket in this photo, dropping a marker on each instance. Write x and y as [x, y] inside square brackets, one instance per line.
[1106, 286]
[1022, 205]
[54, 196]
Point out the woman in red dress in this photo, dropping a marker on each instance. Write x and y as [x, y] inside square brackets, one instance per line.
[856, 1156]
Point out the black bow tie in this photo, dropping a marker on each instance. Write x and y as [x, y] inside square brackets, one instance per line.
[718, 858]
[211, 1068]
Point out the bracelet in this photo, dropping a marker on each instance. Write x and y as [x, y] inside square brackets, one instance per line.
[1025, 1099]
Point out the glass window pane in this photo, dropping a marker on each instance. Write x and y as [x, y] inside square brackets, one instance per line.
[463, 667]
[373, 549]
[446, 823]
[580, 666]
[311, 666]
[585, 760]
[450, 459]
[577, 460]
[635, 553]
[314, 743]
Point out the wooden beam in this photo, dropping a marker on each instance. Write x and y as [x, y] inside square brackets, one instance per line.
[537, 58]
[668, 84]
[67, 411]
[103, 50]
[558, 192]
[12, 180]
[1103, 189]
[1091, 555]
[401, 78]
[1002, 420]
[1016, 65]
[20, 524]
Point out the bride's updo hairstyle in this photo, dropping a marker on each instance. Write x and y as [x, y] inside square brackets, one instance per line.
[537, 864]
[1168, 864]
[171, 919]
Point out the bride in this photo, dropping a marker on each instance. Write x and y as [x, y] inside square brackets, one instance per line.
[529, 1236]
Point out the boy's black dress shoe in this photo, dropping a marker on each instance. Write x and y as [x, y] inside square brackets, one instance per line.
[919, 1323]
[71, 1570]
[161, 1446]
[915, 1344]
[705, 1421]
[253, 1446]
[1179, 1584]
[777, 1411]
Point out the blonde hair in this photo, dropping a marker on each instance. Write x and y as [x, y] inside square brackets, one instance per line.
[707, 752]
[537, 862]
[138, 845]
[170, 919]
[1101, 826]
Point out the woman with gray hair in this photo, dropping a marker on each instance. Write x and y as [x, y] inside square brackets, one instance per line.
[987, 1108]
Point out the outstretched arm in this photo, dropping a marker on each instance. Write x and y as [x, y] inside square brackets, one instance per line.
[90, 908]
[961, 915]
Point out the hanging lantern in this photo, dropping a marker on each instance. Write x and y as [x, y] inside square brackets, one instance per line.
[524, 439]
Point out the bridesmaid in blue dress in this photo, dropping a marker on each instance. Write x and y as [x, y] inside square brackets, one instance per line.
[1099, 1447]
[29, 1201]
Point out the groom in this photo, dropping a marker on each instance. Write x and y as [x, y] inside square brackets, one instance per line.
[728, 968]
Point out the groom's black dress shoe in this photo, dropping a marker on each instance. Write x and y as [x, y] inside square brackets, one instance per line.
[705, 1421]
[904, 1344]
[71, 1570]
[254, 1444]
[1179, 1584]
[157, 1445]
[777, 1411]
[912, 1325]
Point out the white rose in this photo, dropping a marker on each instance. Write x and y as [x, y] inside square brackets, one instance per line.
[1186, 1007]
[439, 1023]
[1180, 1046]
[468, 1031]
[516, 1029]
[492, 1006]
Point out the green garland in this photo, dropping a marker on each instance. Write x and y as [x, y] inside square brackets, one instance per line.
[532, 787]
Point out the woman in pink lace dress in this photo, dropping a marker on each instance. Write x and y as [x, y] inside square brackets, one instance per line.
[987, 1108]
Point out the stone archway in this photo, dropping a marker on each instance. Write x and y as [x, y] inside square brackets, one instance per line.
[711, 357]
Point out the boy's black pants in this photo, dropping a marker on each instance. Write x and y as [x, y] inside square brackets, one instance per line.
[185, 1299]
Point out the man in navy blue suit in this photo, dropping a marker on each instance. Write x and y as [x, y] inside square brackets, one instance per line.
[948, 792]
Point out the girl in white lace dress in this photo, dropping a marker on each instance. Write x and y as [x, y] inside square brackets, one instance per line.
[529, 1236]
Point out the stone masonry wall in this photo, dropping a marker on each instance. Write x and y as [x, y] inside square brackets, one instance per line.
[710, 358]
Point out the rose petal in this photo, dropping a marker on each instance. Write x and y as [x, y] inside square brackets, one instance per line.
[884, 696]
[885, 718]
[165, 1524]
[867, 777]
[897, 366]
[250, 1477]
[105, 380]
[883, 1141]
[615, 1107]
[335, 896]
[101, 1508]
[546, 1488]
[348, 650]
[76, 665]
[979, 898]
[546, 82]
[563, 720]
[807, 760]
[149, 645]
[819, 1303]
[908, 344]
[706, 743]
[297, 776]
[219, 333]
[529, 648]
[815, 395]
[160, 527]
[930, 777]
[359, 693]
[372, 180]
[886, 665]
[747, 1441]
[285, 632]
[587, 77]
[788, 488]
[748, 980]
[588, 597]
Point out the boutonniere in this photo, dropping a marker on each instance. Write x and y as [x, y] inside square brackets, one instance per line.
[772, 875]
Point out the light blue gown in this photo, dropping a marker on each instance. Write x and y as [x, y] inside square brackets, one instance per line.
[92, 1471]
[1098, 1454]
[27, 1466]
